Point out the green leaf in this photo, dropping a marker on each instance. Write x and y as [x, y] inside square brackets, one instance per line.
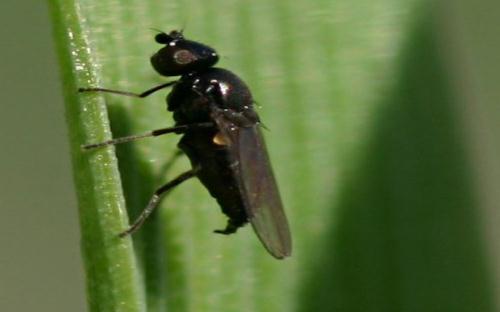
[363, 138]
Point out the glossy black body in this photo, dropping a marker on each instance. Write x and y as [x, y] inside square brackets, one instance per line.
[192, 102]
[230, 158]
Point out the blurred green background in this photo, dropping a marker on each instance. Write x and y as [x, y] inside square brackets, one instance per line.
[412, 223]
[40, 265]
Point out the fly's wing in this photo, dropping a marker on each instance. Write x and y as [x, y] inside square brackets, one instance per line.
[256, 179]
[264, 206]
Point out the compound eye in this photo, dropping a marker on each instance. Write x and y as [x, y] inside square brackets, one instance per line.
[183, 57]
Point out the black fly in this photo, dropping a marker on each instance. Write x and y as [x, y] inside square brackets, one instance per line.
[213, 110]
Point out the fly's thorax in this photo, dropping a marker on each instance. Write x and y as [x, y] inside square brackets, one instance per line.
[188, 101]
[198, 94]
[227, 89]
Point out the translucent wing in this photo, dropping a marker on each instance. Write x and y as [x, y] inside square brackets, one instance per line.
[265, 209]
[260, 191]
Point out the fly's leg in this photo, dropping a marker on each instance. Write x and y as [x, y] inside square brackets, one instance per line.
[155, 200]
[178, 129]
[126, 93]
[154, 133]
[231, 227]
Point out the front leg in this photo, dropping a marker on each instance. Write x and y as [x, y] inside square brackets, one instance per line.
[126, 93]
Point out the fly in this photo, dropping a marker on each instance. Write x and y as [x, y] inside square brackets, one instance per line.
[221, 135]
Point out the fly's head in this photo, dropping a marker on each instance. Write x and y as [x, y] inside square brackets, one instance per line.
[180, 56]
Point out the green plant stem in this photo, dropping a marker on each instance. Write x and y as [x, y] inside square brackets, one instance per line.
[110, 266]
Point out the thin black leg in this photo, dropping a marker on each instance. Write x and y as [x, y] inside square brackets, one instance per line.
[231, 228]
[138, 95]
[154, 133]
[155, 200]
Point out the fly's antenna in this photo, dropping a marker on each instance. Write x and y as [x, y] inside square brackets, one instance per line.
[157, 30]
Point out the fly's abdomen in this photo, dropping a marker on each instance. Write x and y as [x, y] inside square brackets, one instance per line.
[215, 173]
